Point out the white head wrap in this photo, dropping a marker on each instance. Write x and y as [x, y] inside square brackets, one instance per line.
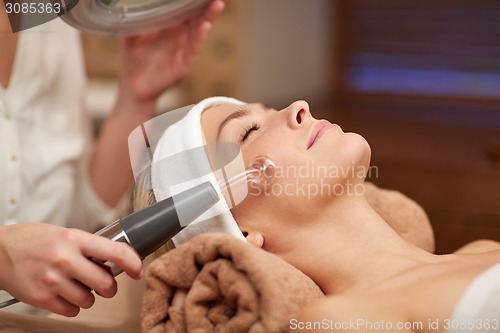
[182, 136]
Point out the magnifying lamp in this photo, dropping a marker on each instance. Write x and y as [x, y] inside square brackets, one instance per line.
[129, 17]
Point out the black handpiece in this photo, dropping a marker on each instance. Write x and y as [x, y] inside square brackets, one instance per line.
[150, 228]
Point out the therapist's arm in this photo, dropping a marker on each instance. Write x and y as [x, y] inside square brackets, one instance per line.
[150, 65]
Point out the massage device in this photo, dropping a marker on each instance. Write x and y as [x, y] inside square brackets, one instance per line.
[150, 228]
[261, 172]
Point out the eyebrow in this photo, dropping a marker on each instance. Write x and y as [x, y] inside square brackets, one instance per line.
[240, 113]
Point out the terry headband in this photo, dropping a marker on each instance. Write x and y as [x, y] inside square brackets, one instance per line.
[184, 135]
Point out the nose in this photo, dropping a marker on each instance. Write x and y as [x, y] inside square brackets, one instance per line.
[297, 114]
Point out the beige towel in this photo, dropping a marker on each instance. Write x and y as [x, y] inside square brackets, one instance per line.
[217, 283]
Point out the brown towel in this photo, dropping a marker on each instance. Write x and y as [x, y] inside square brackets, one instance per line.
[217, 283]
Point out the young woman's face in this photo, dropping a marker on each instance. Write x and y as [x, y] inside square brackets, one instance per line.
[315, 160]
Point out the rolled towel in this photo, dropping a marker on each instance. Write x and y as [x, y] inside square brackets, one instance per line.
[218, 283]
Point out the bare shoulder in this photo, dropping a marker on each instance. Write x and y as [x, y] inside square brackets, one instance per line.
[479, 246]
[347, 313]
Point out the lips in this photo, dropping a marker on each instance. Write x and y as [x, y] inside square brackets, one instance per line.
[318, 130]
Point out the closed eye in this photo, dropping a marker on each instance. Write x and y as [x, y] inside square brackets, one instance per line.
[246, 133]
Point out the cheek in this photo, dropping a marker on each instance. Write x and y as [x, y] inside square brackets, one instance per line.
[269, 191]
[273, 145]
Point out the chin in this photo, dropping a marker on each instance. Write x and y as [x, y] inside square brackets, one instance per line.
[362, 149]
[356, 151]
[351, 151]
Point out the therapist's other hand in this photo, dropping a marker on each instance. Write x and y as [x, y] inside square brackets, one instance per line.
[155, 62]
[48, 267]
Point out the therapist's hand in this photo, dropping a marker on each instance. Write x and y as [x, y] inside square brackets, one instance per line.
[155, 62]
[48, 266]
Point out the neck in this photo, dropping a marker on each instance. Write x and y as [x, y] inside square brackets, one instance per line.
[352, 247]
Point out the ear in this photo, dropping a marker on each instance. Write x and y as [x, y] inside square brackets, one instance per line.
[254, 238]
